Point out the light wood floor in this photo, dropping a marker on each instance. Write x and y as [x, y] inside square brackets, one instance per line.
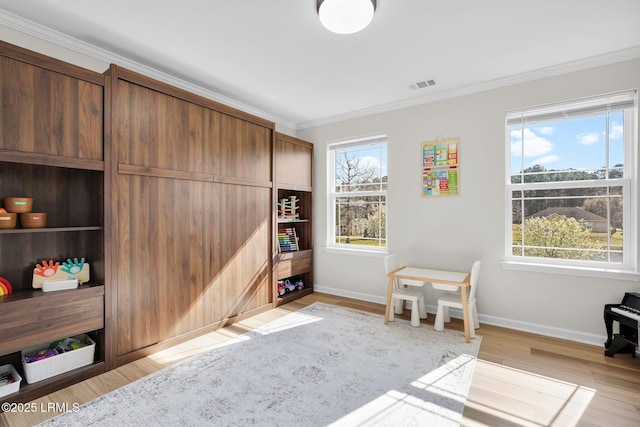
[520, 379]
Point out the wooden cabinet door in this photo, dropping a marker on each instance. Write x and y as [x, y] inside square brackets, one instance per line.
[50, 112]
[193, 211]
[294, 163]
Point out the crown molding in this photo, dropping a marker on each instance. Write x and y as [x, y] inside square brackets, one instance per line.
[50, 35]
[57, 38]
[579, 65]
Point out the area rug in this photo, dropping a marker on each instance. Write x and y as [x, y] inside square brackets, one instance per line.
[323, 365]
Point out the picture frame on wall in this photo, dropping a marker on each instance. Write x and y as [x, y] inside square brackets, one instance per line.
[441, 168]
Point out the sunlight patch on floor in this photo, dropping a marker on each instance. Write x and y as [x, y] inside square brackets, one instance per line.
[513, 397]
[227, 336]
[435, 394]
[292, 320]
[196, 346]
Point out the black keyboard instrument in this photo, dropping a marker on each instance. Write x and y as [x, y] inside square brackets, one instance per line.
[627, 314]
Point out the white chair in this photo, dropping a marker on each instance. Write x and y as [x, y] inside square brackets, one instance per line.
[405, 290]
[454, 300]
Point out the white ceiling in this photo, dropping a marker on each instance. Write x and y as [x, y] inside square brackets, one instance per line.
[275, 58]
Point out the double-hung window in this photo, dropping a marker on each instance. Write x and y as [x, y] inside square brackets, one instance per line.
[571, 184]
[357, 171]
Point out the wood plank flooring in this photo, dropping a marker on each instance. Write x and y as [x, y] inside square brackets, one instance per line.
[520, 379]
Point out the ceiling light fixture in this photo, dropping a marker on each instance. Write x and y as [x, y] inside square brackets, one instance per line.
[346, 16]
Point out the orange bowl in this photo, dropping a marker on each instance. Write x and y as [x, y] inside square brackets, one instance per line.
[18, 204]
[8, 220]
[33, 219]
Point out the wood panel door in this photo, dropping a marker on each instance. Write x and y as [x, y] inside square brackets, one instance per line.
[192, 205]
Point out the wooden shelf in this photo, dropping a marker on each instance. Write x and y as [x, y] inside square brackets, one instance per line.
[49, 229]
[287, 221]
[293, 295]
[13, 156]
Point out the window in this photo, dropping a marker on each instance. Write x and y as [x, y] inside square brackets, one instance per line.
[569, 183]
[358, 193]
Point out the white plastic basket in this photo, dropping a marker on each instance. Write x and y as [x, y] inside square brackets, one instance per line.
[8, 389]
[59, 364]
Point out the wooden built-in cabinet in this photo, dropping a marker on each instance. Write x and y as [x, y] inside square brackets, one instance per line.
[167, 195]
[294, 172]
[51, 149]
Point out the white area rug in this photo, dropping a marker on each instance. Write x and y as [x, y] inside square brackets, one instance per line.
[323, 365]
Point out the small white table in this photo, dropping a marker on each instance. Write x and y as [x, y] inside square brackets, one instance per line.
[456, 278]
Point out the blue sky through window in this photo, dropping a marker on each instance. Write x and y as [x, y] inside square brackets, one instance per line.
[576, 143]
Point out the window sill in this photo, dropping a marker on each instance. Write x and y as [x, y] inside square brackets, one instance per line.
[604, 273]
[356, 251]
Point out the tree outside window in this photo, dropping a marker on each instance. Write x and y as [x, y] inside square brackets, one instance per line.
[359, 192]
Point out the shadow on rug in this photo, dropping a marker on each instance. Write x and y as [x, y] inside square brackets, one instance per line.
[323, 365]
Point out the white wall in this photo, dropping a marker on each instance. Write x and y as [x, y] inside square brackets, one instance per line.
[452, 232]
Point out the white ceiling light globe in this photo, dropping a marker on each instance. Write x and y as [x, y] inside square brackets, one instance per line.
[345, 16]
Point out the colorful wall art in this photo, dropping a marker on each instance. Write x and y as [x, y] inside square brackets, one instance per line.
[440, 167]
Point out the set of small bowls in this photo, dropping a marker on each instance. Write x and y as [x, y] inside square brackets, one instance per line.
[21, 205]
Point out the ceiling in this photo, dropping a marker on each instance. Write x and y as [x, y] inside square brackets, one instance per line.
[274, 59]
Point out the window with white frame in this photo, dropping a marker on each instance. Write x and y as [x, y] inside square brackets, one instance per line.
[569, 183]
[357, 171]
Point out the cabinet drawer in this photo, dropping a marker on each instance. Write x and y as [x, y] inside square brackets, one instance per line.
[36, 317]
[294, 263]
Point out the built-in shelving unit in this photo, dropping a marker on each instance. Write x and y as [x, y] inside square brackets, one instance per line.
[293, 163]
[51, 150]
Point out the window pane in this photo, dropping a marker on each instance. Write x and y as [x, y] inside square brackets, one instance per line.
[361, 168]
[571, 149]
[361, 220]
[576, 223]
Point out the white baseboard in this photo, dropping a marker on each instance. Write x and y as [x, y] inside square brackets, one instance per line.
[534, 328]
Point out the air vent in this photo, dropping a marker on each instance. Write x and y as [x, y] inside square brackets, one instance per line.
[422, 84]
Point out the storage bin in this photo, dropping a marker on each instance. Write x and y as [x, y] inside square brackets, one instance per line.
[13, 387]
[59, 364]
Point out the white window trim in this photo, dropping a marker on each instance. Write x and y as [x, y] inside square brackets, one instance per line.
[331, 246]
[629, 269]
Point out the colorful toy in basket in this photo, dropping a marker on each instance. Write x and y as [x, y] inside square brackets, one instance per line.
[53, 272]
[55, 348]
[5, 287]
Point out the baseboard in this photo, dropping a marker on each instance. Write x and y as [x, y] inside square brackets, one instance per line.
[534, 328]
[350, 294]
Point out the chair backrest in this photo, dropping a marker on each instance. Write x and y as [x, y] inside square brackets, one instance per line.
[391, 263]
[473, 281]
